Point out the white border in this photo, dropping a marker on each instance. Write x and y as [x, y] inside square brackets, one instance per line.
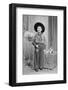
[20, 78]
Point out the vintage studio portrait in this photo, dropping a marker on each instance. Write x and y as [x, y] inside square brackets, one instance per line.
[39, 44]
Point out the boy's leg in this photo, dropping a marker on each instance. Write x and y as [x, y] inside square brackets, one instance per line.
[41, 60]
[36, 61]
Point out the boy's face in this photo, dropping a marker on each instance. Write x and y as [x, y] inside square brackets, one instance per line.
[39, 29]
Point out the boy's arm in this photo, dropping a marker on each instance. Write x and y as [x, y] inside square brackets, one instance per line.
[34, 42]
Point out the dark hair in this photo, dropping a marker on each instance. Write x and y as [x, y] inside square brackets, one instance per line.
[39, 24]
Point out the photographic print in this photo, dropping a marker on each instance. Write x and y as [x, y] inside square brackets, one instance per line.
[37, 44]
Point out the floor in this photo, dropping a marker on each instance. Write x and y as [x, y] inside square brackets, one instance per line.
[29, 71]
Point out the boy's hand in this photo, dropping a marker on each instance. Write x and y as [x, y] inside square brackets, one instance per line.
[37, 46]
